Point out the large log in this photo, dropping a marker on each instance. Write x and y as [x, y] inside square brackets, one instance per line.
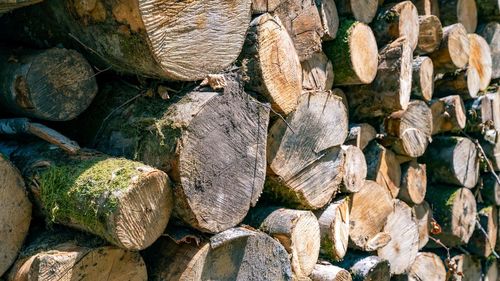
[363, 11]
[204, 141]
[491, 33]
[353, 54]
[448, 114]
[54, 84]
[383, 167]
[364, 267]
[305, 161]
[454, 50]
[9, 5]
[329, 18]
[15, 216]
[452, 160]
[317, 73]
[234, 254]
[355, 169]
[459, 11]
[488, 10]
[328, 272]
[484, 239]
[422, 78]
[272, 63]
[413, 182]
[369, 210]
[483, 113]
[430, 34]
[465, 267]
[480, 59]
[123, 201]
[360, 135]
[490, 189]
[454, 209]
[423, 215]
[427, 266]
[172, 40]
[298, 231]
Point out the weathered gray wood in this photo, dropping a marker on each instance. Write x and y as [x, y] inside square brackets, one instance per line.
[360, 135]
[317, 73]
[413, 183]
[427, 266]
[264, 6]
[355, 169]
[430, 34]
[364, 267]
[453, 53]
[448, 114]
[329, 18]
[423, 215]
[462, 11]
[484, 239]
[383, 167]
[422, 78]
[328, 272]
[491, 33]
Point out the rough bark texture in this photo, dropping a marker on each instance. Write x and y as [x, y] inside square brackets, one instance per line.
[305, 161]
[363, 11]
[360, 135]
[9, 5]
[15, 216]
[272, 63]
[483, 113]
[481, 243]
[355, 169]
[459, 11]
[235, 254]
[427, 7]
[328, 272]
[329, 18]
[427, 266]
[353, 54]
[134, 37]
[423, 215]
[467, 268]
[383, 167]
[364, 267]
[413, 182]
[490, 189]
[54, 84]
[454, 50]
[430, 34]
[264, 6]
[317, 73]
[464, 83]
[422, 78]
[491, 33]
[448, 114]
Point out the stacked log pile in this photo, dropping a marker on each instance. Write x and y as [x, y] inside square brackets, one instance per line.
[250, 140]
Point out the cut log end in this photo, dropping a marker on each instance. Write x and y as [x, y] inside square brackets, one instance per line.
[413, 182]
[423, 215]
[363, 11]
[482, 244]
[355, 169]
[422, 78]
[371, 268]
[427, 266]
[454, 51]
[328, 272]
[383, 167]
[397, 20]
[430, 34]
[480, 60]
[448, 114]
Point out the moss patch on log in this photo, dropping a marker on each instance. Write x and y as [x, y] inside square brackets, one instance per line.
[338, 50]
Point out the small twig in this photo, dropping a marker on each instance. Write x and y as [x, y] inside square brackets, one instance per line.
[437, 241]
[279, 115]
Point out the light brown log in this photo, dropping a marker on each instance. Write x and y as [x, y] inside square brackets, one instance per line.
[353, 54]
[464, 83]
[397, 20]
[302, 20]
[483, 241]
[427, 266]
[490, 189]
[413, 183]
[15, 216]
[363, 11]
[9, 5]
[454, 51]
[430, 34]
[369, 210]
[298, 231]
[328, 272]
[383, 167]
[427, 7]
[409, 131]
[448, 114]
[264, 6]
[483, 113]
[317, 73]
[480, 59]
[491, 33]
[452, 160]
[329, 18]
[305, 162]
[272, 63]
[364, 267]
[465, 267]
[234, 254]
[422, 78]
[334, 227]
[491, 270]
[355, 169]
[461, 11]
[454, 209]
[423, 215]
[360, 135]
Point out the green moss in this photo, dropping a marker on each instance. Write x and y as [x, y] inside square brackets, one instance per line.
[338, 51]
[276, 191]
[441, 199]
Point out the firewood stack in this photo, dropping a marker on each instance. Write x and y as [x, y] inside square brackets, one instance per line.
[314, 140]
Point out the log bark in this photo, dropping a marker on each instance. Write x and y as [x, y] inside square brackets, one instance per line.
[459, 11]
[430, 34]
[483, 241]
[448, 114]
[355, 169]
[234, 254]
[54, 84]
[360, 135]
[383, 167]
[466, 268]
[328, 272]
[264, 6]
[427, 266]
[454, 50]
[397, 20]
[490, 189]
[454, 209]
[353, 54]
[491, 33]
[423, 215]
[413, 183]
[464, 83]
[134, 37]
[334, 228]
[204, 140]
[410, 129]
[369, 210]
[491, 270]
[7, 6]
[452, 160]
[492, 151]
[305, 161]
[483, 113]
[363, 11]
[272, 63]
[422, 79]
[364, 267]
[317, 73]
[329, 18]
[298, 231]
[16, 213]
[98, 194]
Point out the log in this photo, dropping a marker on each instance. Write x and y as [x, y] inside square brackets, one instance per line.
[272, 63]
[454, 209]
[483, 113]
[423, 216]
[15, 216]
[9, 5]
[448, 114]
[490, 189]
[305, 161]
[464, 83]
[56, 256]
[410, 129]
[427, 266]
[480, 59]
[264, 6]
[465, 267]
[430, 34]
[397, 20]
[364, 267]
[383, 167]
[369, 210]
[391, 89]
[427, 7]
[422, 79]
[491, 33]
[353, 53]
[459, 11]
[328, 272]
[360, 135]
[97, 193]
[134, 37]
[317, 73]
[334, 228]
[223, 137]
[234, 254]
[483, 241]
[452, 160]
[54, 84]
[413, 182]
[491, 270]
[302, 20]
[454, 50]
[298, 231]
[329, 18]
[363, 11]
[355, 169]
